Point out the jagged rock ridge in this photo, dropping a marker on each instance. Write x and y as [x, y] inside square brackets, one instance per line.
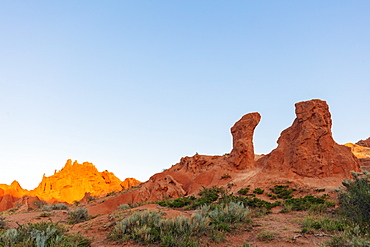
[68, 185]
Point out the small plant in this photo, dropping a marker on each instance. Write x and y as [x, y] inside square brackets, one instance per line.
[44, 214]
[243, 191]
[78, 215]
[282, 191]
[41, 234]
[305, 203]
[225, 176]
[266, 236]
[320, 190]
[258, 191]
[123, 207]
[39, 203]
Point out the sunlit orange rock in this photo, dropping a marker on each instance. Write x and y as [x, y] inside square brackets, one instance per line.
[362, 153]
[129, 182]
[74, 180]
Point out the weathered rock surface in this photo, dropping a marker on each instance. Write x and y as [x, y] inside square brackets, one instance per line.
[129, 182]
[70, 184]
[74, 180]
[362, 153]
[306, 155]
[364, 143]
[307, 148]
[242, 154]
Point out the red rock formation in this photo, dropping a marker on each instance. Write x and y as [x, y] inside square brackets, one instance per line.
[129, 182]
[364, 143]
[307, 148]
[306, 155]
[362, 153]
[242, 155]
[74, 180]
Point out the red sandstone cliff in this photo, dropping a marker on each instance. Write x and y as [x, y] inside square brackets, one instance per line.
[307, 148]
[306, 155]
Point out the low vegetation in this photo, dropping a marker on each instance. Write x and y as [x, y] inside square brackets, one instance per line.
[150, 227]
[78, 215]
[42, 234]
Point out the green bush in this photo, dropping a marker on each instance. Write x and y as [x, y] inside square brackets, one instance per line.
[354, 199]
[78, 215]
[300, 204]
[243, 191]
[258, 191]
[282, 191]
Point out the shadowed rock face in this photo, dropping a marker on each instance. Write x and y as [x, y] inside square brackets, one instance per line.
[242, 154]
[364, 143]
[307, 147]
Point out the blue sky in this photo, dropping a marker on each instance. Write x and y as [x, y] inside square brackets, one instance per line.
[133, 86]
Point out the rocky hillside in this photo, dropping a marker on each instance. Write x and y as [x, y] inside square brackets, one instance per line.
[306, 155]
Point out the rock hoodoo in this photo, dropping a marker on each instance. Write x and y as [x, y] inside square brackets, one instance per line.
[242, 154]
[307, 148]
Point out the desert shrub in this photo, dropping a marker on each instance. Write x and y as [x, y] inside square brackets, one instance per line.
[325, 224]
[150, 227]
[352, 236]
[39, 203]
[58, 206]
[42, 234]
[266, 236]
[282, 191]
[78, 215]
[207, 196]
[45, 214]
[243, 191]
[230, 213]
[303, 203]
[354, 199]
[258, 191]
[123, 207]
[141, 226]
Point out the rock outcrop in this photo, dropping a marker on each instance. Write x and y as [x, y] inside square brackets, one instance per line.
[362, 153]
[242, 154]
[306, 155]
[74, 180]
[364, 143]
[307, 148]
[129, 182]
[73, 183]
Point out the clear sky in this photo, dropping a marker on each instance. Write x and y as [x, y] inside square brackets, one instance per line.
[133, 86]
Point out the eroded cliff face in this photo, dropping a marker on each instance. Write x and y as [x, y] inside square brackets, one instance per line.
[307, 148]
[74, 180]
